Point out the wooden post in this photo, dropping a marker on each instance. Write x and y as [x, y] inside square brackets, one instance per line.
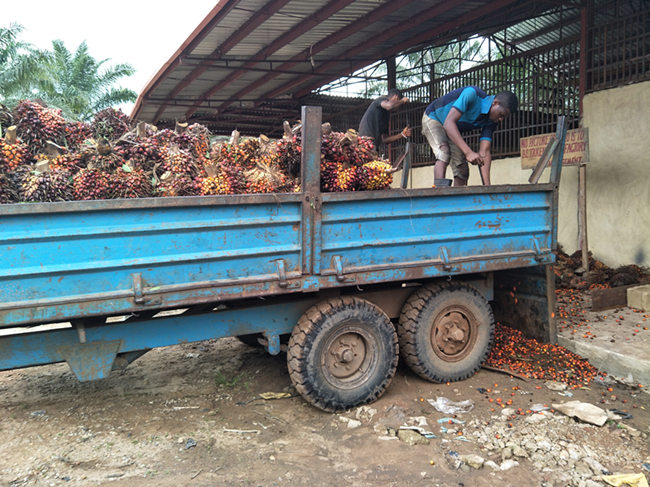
[585, 21]
[582, 216]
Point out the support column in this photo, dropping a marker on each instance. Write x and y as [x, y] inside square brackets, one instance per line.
[391, 72]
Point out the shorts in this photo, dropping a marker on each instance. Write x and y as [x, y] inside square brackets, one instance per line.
[437, 137]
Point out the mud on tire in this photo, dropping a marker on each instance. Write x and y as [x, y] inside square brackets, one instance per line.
[445, 332]
[342, 353]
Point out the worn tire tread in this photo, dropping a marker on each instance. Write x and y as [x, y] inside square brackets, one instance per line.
[302, 339]
[408, 325]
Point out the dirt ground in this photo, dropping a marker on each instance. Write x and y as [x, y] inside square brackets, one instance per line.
[192, 415]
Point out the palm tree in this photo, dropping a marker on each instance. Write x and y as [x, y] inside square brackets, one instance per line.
[20, 66]
[79, 84]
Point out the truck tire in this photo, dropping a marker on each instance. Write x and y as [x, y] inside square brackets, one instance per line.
[342, 353]
[445, 332]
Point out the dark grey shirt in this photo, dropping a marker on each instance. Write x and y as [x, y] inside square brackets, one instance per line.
[374, 122]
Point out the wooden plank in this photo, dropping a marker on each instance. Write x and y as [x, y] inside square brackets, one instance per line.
[609, 298]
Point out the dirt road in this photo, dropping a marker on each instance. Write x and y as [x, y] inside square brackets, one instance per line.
[192, 415]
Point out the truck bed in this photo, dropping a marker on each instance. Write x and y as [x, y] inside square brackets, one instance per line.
[74, 260]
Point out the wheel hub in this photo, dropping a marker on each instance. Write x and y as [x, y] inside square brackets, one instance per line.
[346, 354]
[451, 334]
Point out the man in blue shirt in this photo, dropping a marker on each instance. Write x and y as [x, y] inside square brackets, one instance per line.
[463, 110]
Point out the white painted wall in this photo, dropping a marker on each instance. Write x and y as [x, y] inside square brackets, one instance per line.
[618, 178]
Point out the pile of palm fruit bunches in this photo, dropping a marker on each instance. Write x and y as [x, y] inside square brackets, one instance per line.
[45, 158]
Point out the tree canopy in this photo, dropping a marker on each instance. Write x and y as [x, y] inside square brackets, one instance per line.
[75, 82]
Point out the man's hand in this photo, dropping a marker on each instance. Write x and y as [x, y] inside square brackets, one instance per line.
[474, 158]
[406, 132]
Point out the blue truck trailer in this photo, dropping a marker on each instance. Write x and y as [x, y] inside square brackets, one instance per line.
[355, 279]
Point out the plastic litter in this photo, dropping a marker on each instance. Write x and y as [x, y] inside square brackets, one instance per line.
[583, 411]
[539, 407]
[274, 395]
[555, 386]
[450, 420]
[631, 479]
[418, 429]
[190, 443]
[622, 414]
[446, 406]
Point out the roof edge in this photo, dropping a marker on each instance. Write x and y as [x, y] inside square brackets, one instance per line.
[221, 8]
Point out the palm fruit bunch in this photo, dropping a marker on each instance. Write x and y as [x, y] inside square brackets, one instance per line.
[46, 186]
[329, 171]
[109, 162]
[76, 133]
[69, 161]
[7, 190]
[111, 124]
[130, 182]
[375, 175]
[180, 162]
[366, 151]
[6, 117]
[175, 184]
[266, 178]
[289, 153]
[347, 179]
[331, 150]
[12, 154]
[198, 137]
[223, 177]
[37, 124]
[91, 184]
[162, 138]
[229, 155]
[250, 150]
[217, 184]
[141, 152]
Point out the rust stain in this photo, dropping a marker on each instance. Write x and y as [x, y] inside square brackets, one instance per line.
[493, 225]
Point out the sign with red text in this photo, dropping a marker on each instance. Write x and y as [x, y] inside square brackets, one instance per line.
[575, 148]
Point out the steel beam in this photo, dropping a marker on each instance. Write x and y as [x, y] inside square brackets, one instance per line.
[250, 25]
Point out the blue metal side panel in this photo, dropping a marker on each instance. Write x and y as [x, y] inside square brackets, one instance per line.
[87, 256]
[437, 228]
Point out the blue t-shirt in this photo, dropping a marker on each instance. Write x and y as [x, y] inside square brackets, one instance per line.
[472, 102]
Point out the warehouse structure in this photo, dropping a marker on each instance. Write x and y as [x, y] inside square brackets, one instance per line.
[251, 64]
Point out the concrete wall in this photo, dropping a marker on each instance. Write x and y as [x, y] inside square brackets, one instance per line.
[618, 178]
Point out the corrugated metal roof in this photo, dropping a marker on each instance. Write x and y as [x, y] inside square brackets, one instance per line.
[249, 62]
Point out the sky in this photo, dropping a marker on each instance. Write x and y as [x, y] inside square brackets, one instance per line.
[142, 33]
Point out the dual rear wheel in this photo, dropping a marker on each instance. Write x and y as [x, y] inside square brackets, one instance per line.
[344, 351]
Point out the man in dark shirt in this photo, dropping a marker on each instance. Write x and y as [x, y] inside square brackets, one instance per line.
[463, 110]
[374, 122]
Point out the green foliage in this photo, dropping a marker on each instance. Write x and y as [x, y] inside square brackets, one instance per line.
[227, 381]
[20, 66]
[415, 68]
[75, 82]
[79, 84]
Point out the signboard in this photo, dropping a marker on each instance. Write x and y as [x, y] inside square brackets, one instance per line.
[575, 148]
